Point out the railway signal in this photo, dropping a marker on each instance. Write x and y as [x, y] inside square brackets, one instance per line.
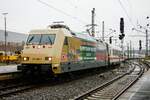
[140, 44]
[122, 35]
[121, 25]
[110, 40]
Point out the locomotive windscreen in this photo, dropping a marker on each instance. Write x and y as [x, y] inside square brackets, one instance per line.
[41, 39]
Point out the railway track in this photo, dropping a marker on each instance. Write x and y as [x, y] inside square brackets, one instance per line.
[114, 88]
[16, 88]
[9, 75]
[10, 83]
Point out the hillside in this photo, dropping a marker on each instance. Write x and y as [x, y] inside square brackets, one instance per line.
[13, 36]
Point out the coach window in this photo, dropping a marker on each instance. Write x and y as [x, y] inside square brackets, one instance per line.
[47, 39]
[34, 39]
[66, 41]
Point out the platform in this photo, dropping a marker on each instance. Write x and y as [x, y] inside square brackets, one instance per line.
[8, 69]
[140, 90]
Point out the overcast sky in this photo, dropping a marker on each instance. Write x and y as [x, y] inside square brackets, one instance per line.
[24, 15]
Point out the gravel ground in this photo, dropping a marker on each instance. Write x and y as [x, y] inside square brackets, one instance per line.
[67, 90]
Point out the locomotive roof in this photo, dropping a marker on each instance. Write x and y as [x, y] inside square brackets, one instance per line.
[66, 31]
[50, 31]
[38, 31]
[85, 36]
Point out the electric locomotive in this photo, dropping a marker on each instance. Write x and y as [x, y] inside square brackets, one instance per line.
[58, 50]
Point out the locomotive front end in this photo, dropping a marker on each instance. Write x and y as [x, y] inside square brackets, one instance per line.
[41, 52]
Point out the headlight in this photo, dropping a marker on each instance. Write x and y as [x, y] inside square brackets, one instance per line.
[25, 58]
[48, 58]
[39, 47]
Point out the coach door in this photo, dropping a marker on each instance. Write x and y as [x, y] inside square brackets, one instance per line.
[65, 51]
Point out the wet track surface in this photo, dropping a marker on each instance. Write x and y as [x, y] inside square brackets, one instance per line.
[66, 90]
[70, 89]
[140, 90]
[114, 88]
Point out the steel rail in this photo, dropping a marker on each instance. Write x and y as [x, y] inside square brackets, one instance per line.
[88, 93]
[15, 90]
[136, 79]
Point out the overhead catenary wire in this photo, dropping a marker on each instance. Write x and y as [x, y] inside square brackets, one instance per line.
[75, 6]
[130, 7]
[83, 10]
[61, 11]
[124, 9]
[129, 3]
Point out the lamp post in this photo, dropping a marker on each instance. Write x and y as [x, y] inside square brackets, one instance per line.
[147, 25]
[5, 34]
